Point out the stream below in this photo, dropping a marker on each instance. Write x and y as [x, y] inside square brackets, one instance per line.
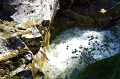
[74, 49]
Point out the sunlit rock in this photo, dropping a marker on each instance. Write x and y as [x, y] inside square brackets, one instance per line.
[38, 64]
[32, 39]
[34, 26]
[14, 56]
[21, 11]
[31, 16]
[33, 19]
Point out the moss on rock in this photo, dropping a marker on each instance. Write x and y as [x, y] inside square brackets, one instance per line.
[108, 68]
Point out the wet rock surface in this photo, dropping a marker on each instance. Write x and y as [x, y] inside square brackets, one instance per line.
[100, 11]
[94, 70]
[14, 56]
[75, 47]
[96, 14]
[21, 38]
[34, 26]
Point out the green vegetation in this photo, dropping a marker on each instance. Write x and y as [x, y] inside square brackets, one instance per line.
[118, 22]
[108, 68]
[118, 0]
[16, 77]
[117, 10]
[30, 23]
[7, 23]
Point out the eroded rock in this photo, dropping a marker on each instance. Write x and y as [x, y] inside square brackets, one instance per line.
[33, 25]
[21, 42]
[14, 56]
[21, 10]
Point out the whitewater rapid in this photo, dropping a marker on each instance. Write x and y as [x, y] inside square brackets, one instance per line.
[74, 49]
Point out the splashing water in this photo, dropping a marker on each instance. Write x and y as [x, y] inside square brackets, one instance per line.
[73, 49]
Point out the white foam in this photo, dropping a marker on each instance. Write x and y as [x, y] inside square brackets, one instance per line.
[75, 48]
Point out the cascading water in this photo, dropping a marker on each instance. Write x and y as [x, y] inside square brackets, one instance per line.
[73, 49]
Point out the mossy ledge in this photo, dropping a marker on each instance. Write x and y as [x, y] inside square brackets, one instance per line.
[108, 68]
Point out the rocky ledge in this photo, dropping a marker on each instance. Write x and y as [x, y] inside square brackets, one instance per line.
[27, 27]
[23, 26]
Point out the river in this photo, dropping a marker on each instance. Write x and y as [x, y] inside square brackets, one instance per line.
[74, 49]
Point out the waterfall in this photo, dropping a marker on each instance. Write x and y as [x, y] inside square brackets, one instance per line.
[74, 49]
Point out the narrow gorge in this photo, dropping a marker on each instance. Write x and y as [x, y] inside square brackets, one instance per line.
[58, 39]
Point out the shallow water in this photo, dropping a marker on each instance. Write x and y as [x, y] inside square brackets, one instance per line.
[73, 49]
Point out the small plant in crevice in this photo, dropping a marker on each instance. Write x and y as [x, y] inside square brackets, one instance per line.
[117, 10]
[118, 22]
[8, 75]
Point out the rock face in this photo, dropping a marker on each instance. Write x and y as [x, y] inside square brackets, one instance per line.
[90, 14]
[21, 40]
[32, 28]
[23, 10]
[14, 54]
[93, 71]
[30, 13]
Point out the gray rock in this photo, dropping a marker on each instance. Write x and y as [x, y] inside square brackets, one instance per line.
[23, 10]
[15, 55]
[28, 14]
